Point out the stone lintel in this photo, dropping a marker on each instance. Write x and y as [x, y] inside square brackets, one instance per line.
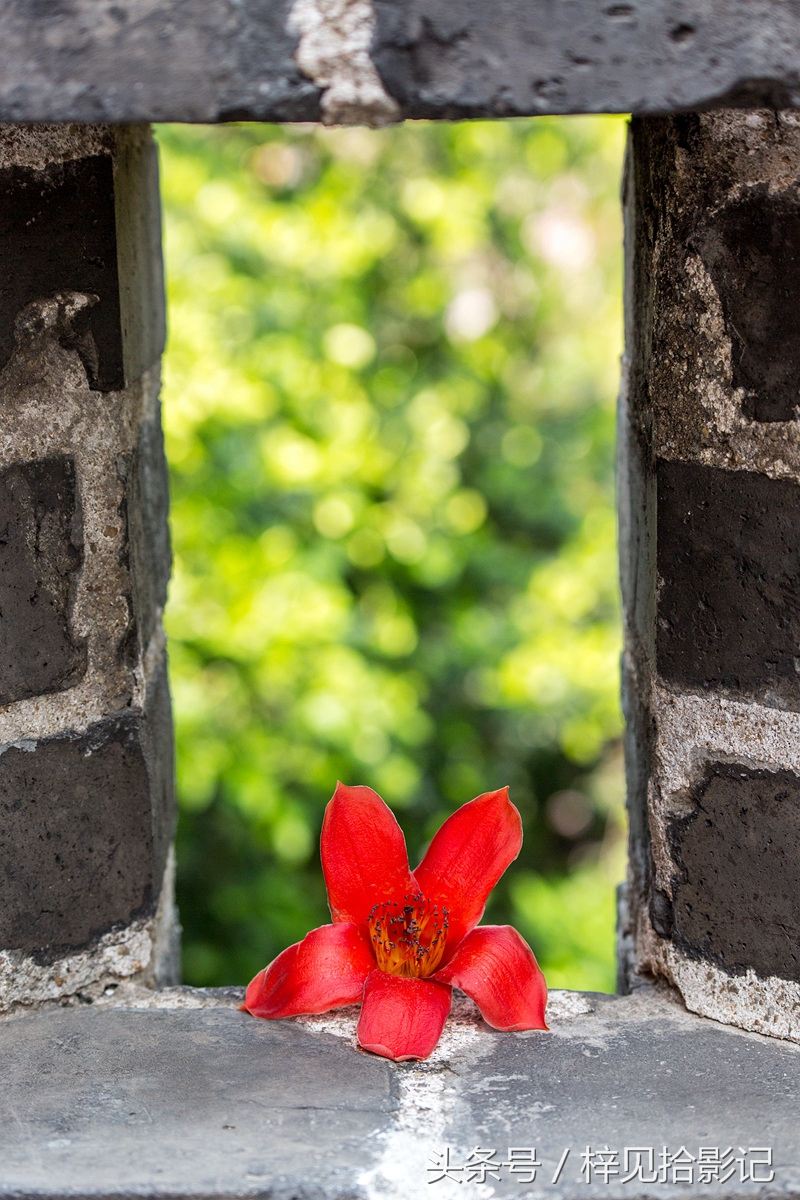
[176, 1093]
[290, 60]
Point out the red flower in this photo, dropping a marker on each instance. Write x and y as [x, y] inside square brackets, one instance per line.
[400, 940]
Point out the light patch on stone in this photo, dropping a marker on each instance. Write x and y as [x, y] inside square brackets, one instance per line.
[335, 37]
[341, 1024]
[133, 994]
[562, 1006]
[768, 1006]
[118, 955]
[36, 146]
[694, 728]
[428, 1099]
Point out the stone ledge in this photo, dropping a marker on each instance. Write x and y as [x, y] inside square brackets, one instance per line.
[177, 1094]
[217, 60]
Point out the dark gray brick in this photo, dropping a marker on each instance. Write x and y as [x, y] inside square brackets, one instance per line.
[737, 887]
[41, 554]
[752, 250]
[84, 826]
[729, 601]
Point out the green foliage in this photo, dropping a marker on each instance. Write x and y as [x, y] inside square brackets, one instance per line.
[389, 397]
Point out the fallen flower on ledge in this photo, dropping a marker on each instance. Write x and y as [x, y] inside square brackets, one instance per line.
[401, 940]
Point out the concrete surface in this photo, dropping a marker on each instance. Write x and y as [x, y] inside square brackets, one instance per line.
[278, 60]
[182, 1095]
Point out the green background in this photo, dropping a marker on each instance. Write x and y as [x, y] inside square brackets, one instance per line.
[389, 404]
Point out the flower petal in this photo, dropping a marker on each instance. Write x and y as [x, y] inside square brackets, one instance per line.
[326, 970]
[467, 857]
[496, 967]
[363, 853]
[402, 1017]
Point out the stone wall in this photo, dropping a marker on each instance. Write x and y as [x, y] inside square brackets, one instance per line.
[86, 788]
[710, 530]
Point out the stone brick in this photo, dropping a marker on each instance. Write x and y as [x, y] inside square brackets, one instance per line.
[737, 888]
[752, 250]
[729, 565]
[86, 821]
[41, 556]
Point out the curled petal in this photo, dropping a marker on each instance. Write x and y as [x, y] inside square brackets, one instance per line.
[467, 857]
[496, 967]
[326, 970]
[363, 853]
[402, 1017]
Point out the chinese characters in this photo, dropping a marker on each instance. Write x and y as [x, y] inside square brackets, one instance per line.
[632, 1164]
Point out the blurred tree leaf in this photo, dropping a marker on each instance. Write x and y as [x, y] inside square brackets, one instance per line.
[389, 404]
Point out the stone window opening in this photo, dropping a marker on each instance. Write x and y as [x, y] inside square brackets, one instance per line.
[708, 497]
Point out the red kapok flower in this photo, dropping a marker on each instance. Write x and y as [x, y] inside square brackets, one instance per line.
[400, 941]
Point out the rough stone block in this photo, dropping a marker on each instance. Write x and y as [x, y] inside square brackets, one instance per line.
[218, 60]
[752, 250]
[737, 884]
[41, 555]
[729, 600]
[710, 512]
[86, 823]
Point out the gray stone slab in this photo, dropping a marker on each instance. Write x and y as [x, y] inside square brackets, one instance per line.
[216, 60]
[185, 1096]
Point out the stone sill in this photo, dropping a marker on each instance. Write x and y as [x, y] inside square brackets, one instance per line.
[177, 1094]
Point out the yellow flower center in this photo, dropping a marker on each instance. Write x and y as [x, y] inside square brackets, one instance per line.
[408, 938]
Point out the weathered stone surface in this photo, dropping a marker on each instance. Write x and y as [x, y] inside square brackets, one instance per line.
[178, 1099]
[710, 489]
[716, 199]
[729, 597]
[76, 845]
[86, 754]
[737, 858]
[41, 554]
[752, 252]
[212, 60]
